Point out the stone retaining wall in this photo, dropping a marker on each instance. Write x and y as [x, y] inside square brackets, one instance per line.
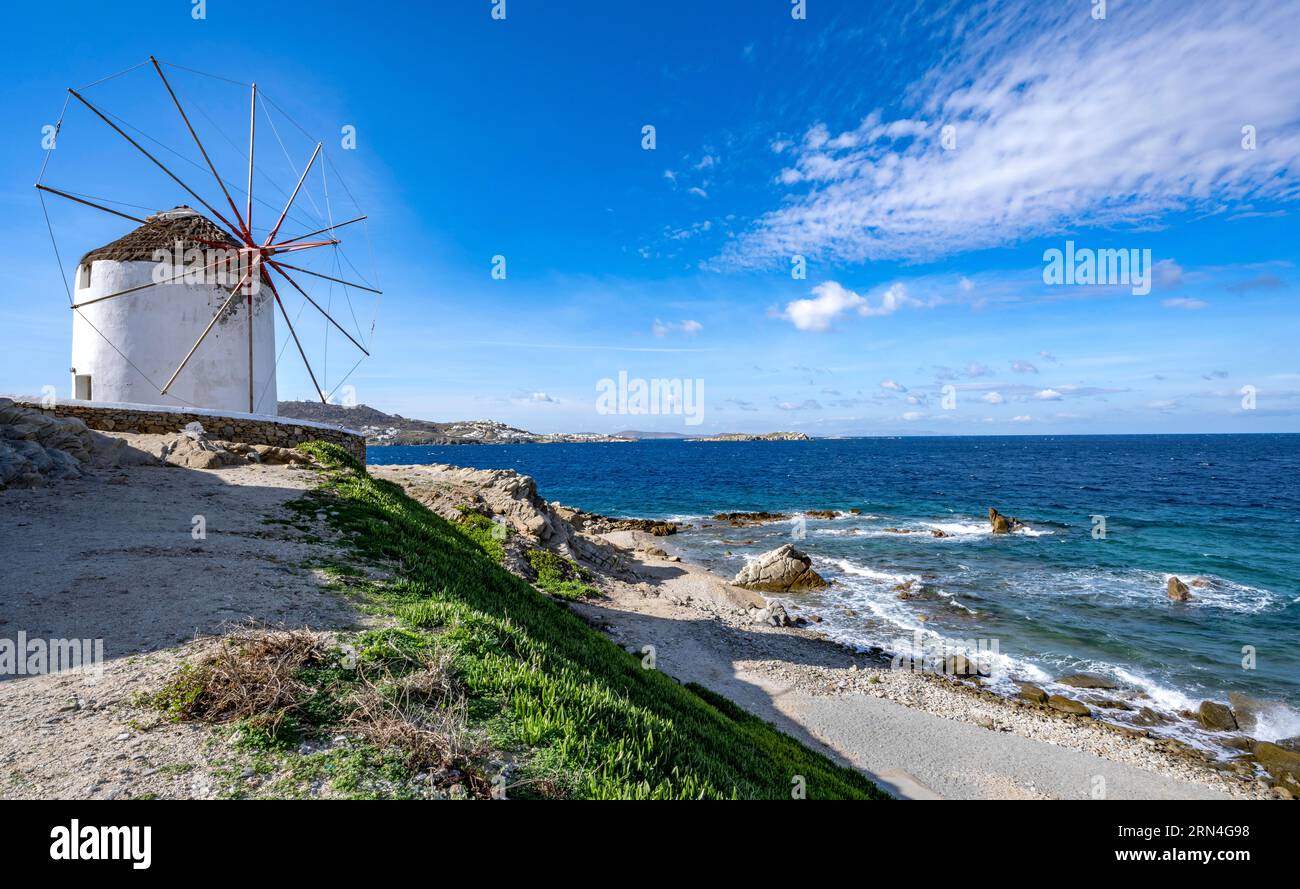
[248, 428]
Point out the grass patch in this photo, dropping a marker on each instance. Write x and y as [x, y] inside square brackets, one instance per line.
[583, 718]
[560, 576]
[488, 535]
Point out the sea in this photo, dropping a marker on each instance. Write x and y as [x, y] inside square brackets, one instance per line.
[1081, 588]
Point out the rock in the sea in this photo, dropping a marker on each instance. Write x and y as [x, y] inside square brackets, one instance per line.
[1003, 524]
[905, 590]
[778, 571]
[1109, 704]
[1087, 680]
[741, 519]
[1148, 717]
[1068, 705]
[1216, 717]
[1282, 764]
[1033, 693]
[1247, 709]
[1177, 591]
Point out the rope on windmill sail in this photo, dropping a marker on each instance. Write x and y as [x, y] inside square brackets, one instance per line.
[58, 125]
[101, 198]
[205, 73]
[235, 186]
[55, 244]
[111, 76]
[270, 120]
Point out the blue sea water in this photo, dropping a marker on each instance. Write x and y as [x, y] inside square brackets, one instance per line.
[1223, 510]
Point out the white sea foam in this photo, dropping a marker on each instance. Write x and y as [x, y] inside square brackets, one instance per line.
[961, 529]
[1277, 722]
[1162, 697]
[881, 576]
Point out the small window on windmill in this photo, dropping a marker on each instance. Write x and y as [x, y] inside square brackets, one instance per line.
[83, 276]
[81, 387]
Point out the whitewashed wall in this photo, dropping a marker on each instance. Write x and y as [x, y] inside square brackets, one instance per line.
[156, 327]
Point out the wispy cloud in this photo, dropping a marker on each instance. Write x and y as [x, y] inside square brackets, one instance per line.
[686, 327]
[1054, 127]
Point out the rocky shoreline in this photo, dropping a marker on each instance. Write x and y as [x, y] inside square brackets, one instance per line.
[627, 559]
[1110, 705]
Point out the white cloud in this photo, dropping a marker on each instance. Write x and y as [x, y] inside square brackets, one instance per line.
[1048, 395]
[1023, 367]
[910, 416]
[1184, 302]
[831, 300]
[892, 386]
[542, 398]
[1021, 418]
[697, 191]
[687, 327]
[992, 398]
[1168, 274]
[1061, 122]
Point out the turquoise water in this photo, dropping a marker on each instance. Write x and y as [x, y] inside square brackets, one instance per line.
[1224, 509]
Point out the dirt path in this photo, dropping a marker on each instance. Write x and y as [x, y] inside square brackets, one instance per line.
[114, 559]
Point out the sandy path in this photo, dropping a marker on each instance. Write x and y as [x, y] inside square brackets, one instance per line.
[113, 558]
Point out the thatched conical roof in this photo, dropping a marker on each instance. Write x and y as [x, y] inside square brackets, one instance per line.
[161, 231]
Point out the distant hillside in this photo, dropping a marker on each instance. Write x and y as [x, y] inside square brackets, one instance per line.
[392, 429]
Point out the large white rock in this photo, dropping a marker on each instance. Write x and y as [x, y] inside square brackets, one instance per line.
[780, 570]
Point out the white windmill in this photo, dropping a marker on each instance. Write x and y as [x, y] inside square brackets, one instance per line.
[181, 309]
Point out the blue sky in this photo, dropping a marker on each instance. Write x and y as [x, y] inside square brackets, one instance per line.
[775, 137]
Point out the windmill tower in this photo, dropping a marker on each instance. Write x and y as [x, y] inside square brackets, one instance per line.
[180, 311]
[120, 345]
